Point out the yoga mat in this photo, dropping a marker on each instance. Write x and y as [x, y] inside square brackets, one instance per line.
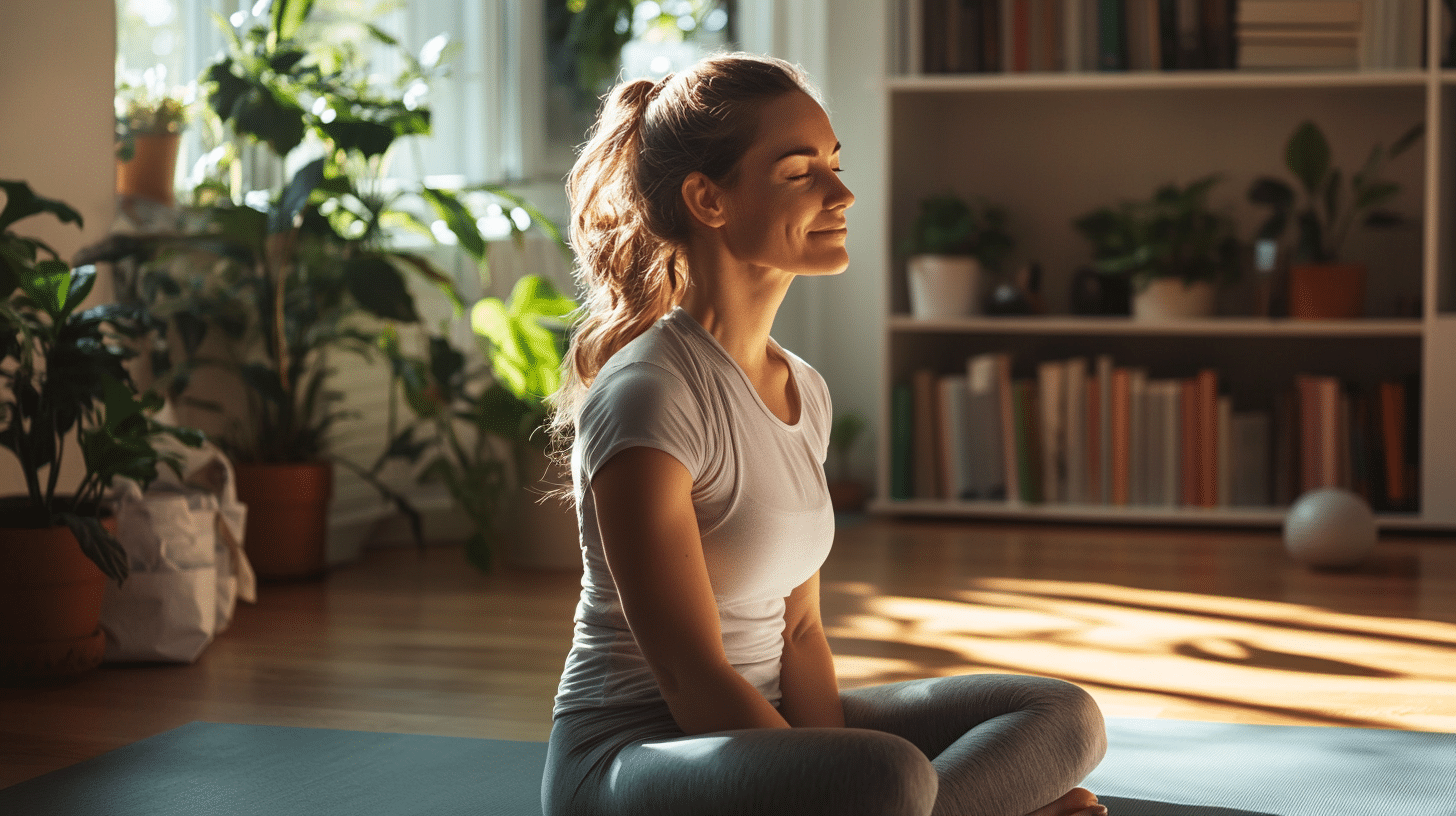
[1180, 768]
[1153, 768]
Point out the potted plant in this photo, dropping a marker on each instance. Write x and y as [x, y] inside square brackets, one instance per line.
[480, 431]
[1323, 212]
[148, 129]
[1173, 248]
[273, 297]
[846, 493]
[951, 248]
[63, 385]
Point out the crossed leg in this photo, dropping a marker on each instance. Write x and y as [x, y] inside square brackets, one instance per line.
[998, 745]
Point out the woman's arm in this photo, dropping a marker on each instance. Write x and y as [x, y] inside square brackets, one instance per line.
[649, 533]
[806, 680]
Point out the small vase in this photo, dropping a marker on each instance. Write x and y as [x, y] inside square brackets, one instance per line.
[1326, 291]
[1172, 299]
[288, 517]
[151, 170]
[944, 286]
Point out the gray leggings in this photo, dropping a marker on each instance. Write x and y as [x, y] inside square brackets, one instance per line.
[1000, 745]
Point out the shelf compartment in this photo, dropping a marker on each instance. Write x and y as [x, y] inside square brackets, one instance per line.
[1222, 326]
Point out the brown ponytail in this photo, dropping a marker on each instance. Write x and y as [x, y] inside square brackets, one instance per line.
[628, 219]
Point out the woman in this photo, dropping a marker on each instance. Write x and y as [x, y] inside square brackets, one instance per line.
[699, 680]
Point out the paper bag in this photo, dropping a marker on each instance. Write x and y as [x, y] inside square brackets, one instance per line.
[184, 544]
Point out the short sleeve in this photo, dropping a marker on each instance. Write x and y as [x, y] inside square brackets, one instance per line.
[640, 405]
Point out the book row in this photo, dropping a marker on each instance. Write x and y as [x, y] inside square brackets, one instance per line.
[973, 36]
[1091, 431]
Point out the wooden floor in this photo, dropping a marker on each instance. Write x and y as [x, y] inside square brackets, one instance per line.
[1179, 624]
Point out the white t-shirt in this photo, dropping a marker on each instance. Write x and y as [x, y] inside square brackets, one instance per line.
[758, 488]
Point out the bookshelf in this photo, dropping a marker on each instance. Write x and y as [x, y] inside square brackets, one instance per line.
[1051, 145]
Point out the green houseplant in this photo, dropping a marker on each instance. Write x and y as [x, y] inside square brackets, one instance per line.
[1325, 208]
[470, 424]
[1174, 248]
[63, 384]
[148, 130]
[953, 245]
[273, 292]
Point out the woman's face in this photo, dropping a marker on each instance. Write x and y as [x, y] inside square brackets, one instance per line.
[785, 208]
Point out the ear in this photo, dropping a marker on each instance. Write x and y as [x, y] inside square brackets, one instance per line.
[704, 200]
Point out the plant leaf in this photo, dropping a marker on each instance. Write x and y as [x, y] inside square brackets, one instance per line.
[1308, 156]
[22, 202]
[288, 16]
[295, 196]
[379, 288]
[459, 220]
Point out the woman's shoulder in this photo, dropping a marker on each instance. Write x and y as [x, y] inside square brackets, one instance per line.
[646, 375]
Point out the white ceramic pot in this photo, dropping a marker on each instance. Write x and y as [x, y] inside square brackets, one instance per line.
[1172, 299]
[944, 286]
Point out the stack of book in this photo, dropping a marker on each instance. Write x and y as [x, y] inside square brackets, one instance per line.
[1091, 431]
[971, 36]
[1295, 34]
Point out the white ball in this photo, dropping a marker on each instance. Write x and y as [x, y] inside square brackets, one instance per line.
[1329, 527]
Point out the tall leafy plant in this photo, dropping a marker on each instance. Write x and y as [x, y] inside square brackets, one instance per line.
[290, 284]
[64, 378]
[468, 424]
[1326, 207]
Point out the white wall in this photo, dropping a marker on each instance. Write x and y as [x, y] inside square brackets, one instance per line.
[56, 125]
[837, 323]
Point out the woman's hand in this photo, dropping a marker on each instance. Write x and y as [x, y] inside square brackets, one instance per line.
[649, 533]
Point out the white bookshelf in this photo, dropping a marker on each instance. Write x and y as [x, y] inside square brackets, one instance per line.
[1051, 146]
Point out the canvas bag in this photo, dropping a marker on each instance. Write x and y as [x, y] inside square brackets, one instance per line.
[184, 542]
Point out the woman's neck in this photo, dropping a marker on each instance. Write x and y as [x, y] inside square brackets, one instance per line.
[737, 307]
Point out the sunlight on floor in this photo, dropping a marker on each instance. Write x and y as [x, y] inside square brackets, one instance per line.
[1143, 651]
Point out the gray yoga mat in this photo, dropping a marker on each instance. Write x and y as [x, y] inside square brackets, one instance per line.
[1153, 768]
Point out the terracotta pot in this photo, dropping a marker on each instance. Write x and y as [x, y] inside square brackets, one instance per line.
[541, 529]
[288, 517]
[1172, 299]
[152, 169]
[50, 606]
[1326, 291]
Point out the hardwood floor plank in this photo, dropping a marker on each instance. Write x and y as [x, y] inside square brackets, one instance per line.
[1187, 624]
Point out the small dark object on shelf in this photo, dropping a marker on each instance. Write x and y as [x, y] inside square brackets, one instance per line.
[1021, 297]
[1096, 294]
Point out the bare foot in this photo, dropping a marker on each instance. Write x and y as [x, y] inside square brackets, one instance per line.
[1075, 802]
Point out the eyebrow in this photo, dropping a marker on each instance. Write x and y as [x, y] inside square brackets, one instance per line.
[805, 151]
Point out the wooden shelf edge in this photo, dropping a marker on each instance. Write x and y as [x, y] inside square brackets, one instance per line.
[1224, 326]
[1153, 80]
[1090, 513]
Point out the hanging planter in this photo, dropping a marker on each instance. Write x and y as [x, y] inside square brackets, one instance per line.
[1327, 291]
[288, 517]
[50, 606]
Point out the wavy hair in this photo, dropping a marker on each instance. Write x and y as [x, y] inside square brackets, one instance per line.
[629, 223]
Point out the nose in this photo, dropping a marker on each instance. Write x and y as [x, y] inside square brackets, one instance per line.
[841, 198]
